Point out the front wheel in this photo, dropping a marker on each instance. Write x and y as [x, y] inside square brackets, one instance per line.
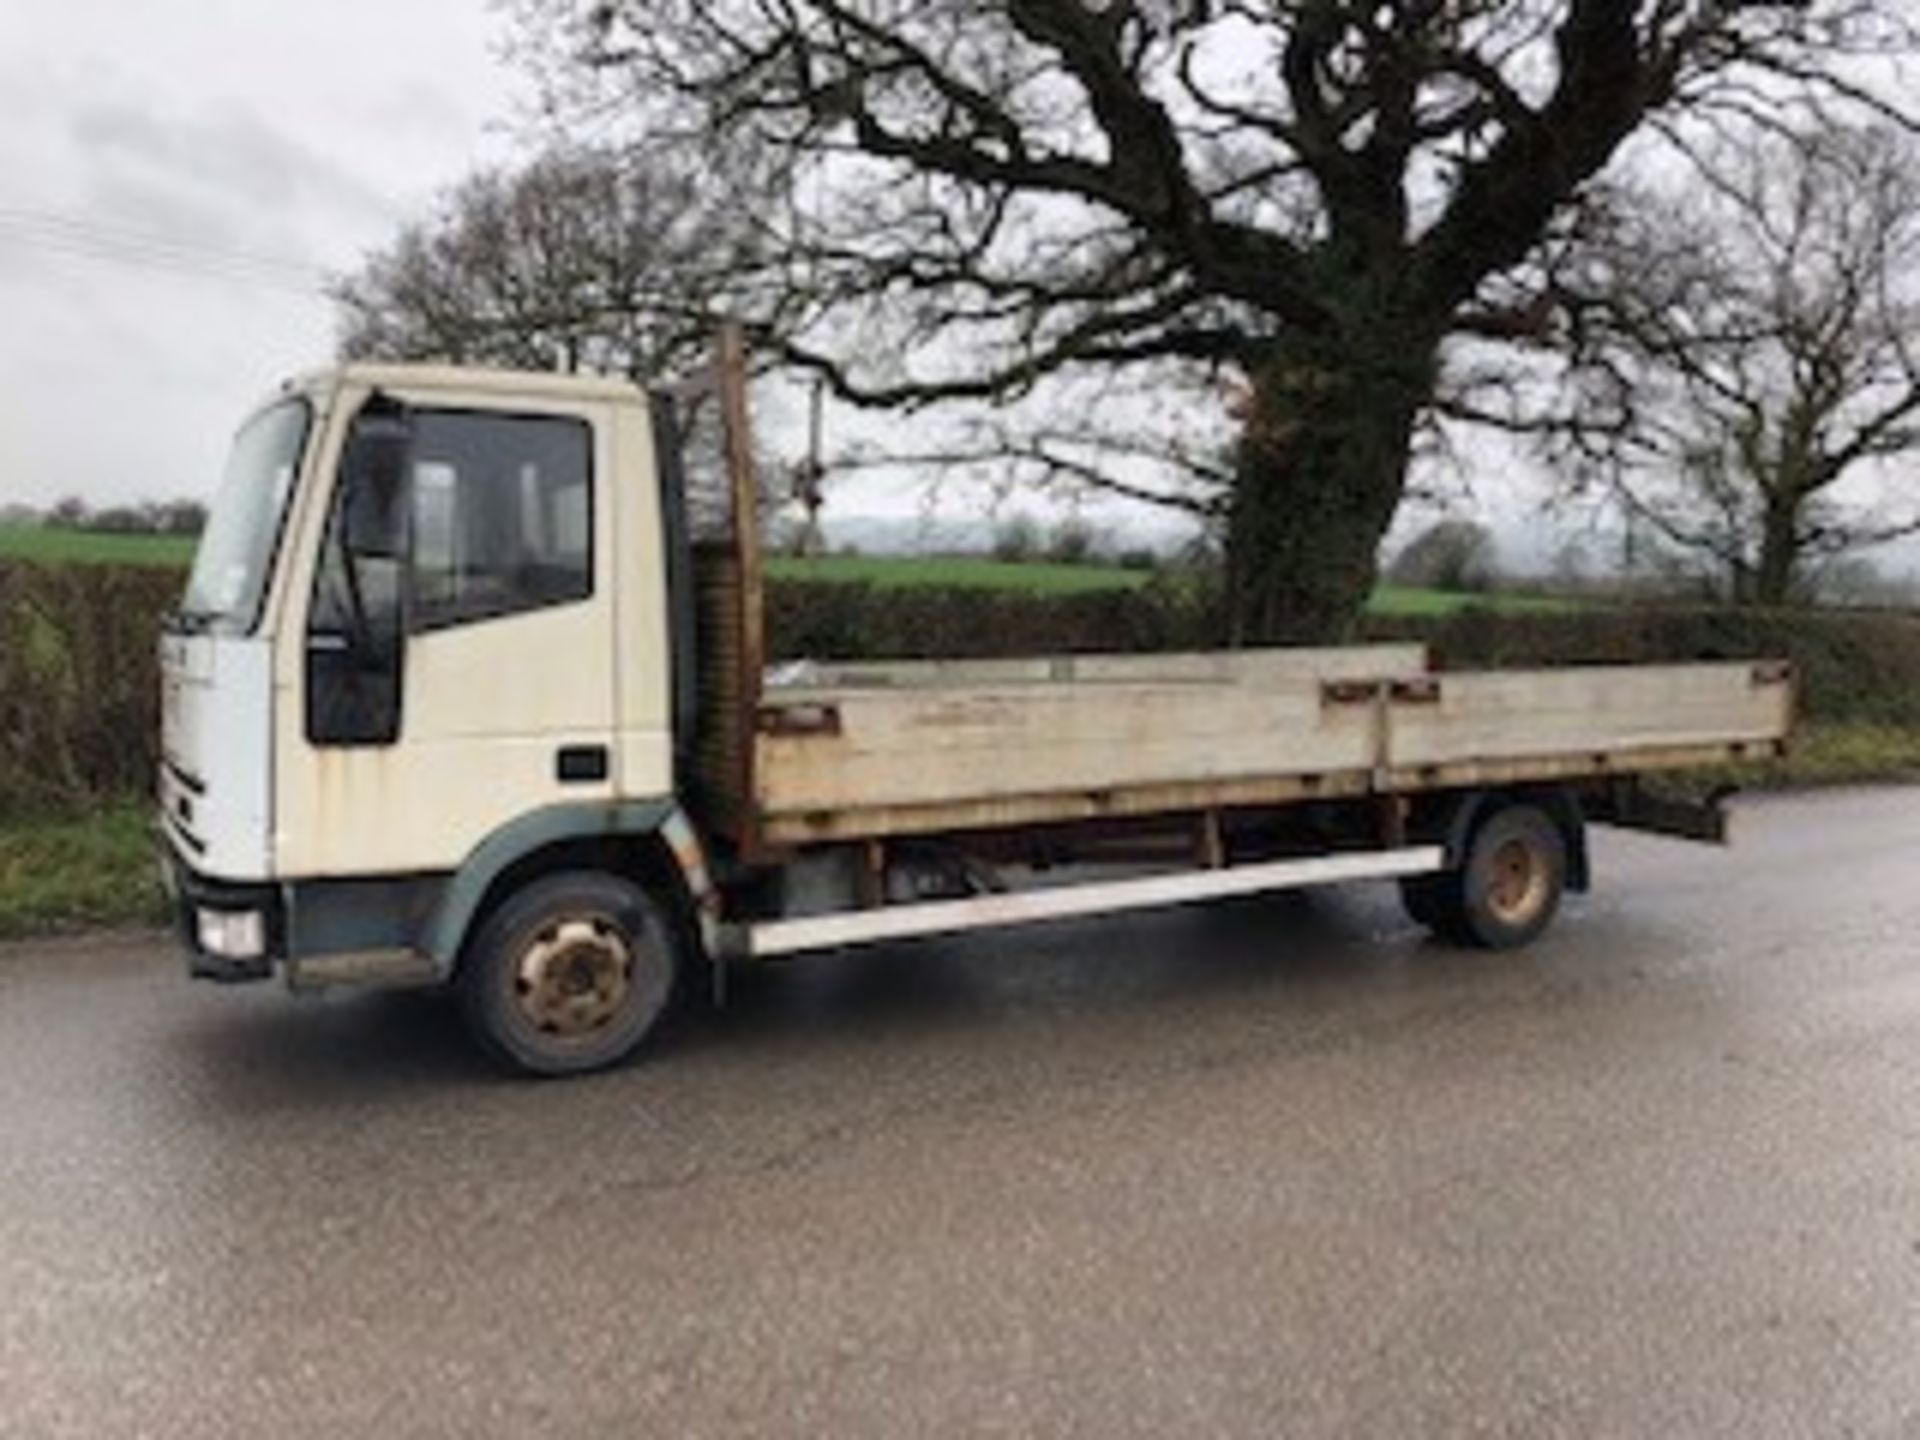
[569, 975]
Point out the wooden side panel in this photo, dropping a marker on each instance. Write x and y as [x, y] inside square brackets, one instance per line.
[1591, 712]
[876, 761]
[1058, 806]
[930, 747]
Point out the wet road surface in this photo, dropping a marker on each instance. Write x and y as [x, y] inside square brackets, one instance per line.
[1282, 1167]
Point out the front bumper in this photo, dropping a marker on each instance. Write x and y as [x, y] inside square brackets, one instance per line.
[231, 932]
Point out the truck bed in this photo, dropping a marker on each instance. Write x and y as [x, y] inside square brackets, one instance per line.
[813, 753]
[856, 751]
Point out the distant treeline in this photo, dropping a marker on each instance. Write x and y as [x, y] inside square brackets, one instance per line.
[144, 517]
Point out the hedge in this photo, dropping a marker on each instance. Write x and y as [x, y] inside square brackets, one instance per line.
[79, 692]
[78, 706]
[829, 620]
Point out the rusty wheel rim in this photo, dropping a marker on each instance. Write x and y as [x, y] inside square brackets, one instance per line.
[1518, 884]
[575, 977]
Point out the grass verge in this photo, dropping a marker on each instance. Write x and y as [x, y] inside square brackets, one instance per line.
[64, 874]
[1830, 753]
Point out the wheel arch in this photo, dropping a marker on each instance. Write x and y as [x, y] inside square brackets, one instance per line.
[1462, 814]
[649, 841]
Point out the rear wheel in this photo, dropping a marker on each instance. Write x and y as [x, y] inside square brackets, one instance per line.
[1509, 888]
[569, 975]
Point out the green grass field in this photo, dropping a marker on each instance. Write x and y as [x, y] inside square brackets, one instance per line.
[1047, 578]
[1037, 577]
[82, 547]
[971, 571]
[1404, 600]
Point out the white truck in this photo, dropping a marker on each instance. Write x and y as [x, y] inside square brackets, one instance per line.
[469, 686]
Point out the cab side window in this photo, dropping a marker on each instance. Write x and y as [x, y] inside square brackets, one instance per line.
[502, 515]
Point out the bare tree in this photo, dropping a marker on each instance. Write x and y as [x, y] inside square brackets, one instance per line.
[1750, 340]
[606, 259]
[69, 513]
[988, 200]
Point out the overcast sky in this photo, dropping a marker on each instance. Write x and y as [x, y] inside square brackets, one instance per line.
[176, 176]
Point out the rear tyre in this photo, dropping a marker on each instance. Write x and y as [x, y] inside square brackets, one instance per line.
[1509, 888]
[569, 975]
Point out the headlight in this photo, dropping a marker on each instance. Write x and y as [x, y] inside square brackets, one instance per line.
[232, 934]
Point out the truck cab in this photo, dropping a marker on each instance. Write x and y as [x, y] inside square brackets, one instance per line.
[406, 633]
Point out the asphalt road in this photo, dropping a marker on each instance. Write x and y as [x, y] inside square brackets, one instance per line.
[1283, 1168]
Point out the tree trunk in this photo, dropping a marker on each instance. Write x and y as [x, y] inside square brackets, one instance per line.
[1320, 472]
[1779, 567]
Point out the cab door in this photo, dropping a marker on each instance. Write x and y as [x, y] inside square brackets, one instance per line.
[458, 637]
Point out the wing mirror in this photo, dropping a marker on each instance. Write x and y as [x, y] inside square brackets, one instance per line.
[374, 481]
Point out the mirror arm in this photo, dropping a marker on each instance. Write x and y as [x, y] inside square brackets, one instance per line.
[356, 601]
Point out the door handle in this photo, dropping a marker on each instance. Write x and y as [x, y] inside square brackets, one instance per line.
[581, 764]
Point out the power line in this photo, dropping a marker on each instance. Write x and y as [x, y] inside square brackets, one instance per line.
[72, 230]
[80, 238]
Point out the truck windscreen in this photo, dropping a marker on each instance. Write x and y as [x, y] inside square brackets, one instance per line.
[235, 556]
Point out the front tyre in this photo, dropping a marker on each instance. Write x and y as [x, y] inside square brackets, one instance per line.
[569, 975]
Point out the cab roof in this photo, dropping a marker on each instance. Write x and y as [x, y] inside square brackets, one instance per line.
[470, 378]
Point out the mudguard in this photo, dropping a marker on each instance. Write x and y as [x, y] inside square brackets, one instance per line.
[459, 904]
[1559, 804]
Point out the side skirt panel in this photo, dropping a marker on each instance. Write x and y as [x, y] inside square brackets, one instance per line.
[774, 938]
